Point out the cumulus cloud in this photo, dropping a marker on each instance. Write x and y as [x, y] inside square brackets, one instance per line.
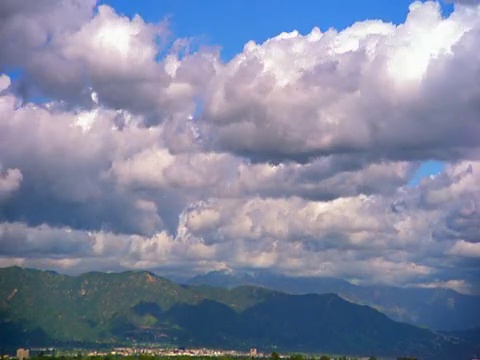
[27, 27]
[296, 155]
[373, 89]
[100, 50]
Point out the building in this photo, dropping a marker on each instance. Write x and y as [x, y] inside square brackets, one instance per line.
[23, 354]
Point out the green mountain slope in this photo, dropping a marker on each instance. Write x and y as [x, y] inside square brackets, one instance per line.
[81, 308]
[39, 307]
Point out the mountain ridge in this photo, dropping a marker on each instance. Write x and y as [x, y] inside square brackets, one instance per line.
[114, 308]
[416, 306]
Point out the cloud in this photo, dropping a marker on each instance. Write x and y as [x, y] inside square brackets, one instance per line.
[457, 285]
[4, 82]
[296, 155]
[464, 2]
[27, 27]
[104, 51]
[466, 249]
[374, 89]
[302, 237]
[9, 182]
[64, 167]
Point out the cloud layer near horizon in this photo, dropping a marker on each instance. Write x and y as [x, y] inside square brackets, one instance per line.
[295, 156]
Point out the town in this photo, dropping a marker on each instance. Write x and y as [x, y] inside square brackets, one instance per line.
[157, 353]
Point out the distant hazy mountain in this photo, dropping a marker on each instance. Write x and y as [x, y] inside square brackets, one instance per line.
[232, 278]
[439, 309]
[44, 308]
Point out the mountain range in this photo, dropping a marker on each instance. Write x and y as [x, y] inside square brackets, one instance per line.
[416, 306]
[46, 308]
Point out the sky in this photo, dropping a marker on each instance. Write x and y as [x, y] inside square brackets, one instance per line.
[308, 138]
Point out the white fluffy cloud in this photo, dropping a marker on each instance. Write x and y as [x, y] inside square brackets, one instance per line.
[296, 155]
[374, 90]
[104, 51]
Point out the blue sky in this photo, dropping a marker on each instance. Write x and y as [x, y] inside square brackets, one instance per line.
[428, 168]
[230, 24]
